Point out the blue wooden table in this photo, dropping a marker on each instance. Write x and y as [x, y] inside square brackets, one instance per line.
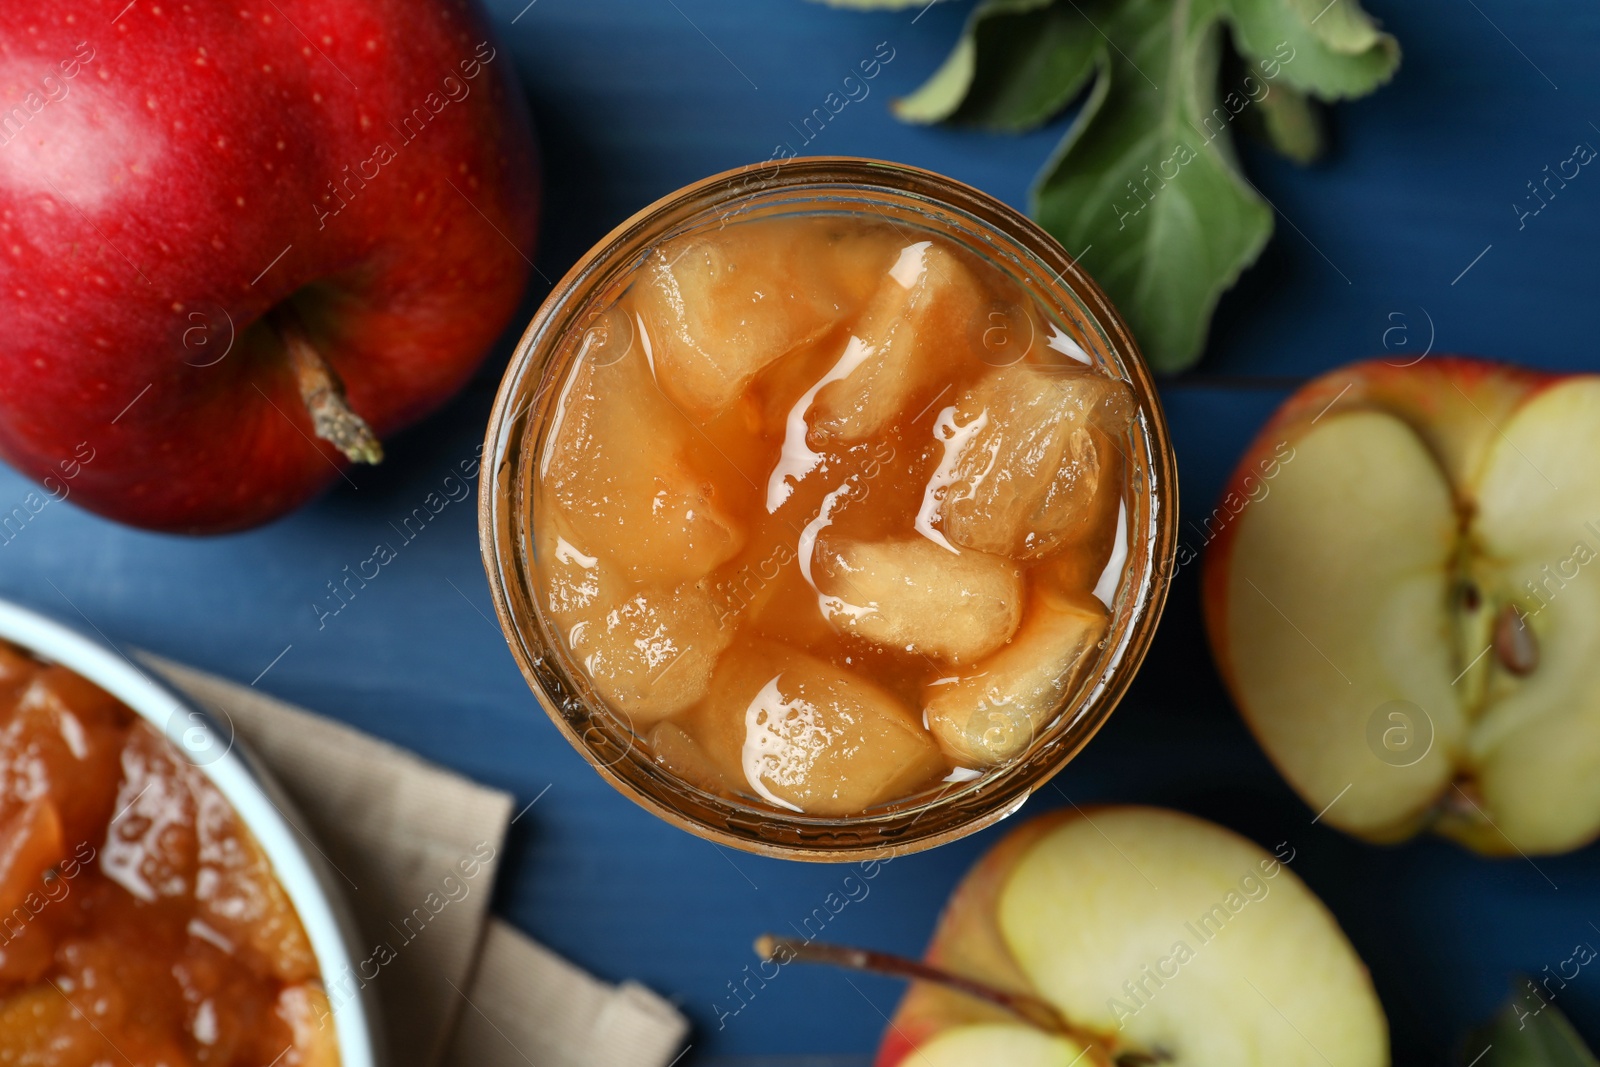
[633, 100]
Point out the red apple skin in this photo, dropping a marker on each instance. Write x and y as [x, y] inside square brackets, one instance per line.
[967, 942]
[1452, 402]
[165, 181]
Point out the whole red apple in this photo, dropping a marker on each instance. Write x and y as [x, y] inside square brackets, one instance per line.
[229, 230]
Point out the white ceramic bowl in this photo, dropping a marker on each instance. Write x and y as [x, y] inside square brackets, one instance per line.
[259, 801]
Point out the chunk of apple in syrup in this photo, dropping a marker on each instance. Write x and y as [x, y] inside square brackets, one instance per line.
[809, 737]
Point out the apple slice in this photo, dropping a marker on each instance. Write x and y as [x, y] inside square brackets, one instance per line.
[1401, 609]
[992, 713]
[809, 737]
[1164, 937]
[617, 462]
[1378, 633]
[718, 309]
[1022, 474]
[913, 330]
[305, 1008]
[38, 1018]
[914, 595]
[1535, 747]
[648, 649]
[998, 1045]
[682, 755]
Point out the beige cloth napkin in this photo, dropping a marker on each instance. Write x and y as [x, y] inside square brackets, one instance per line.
[466, 990]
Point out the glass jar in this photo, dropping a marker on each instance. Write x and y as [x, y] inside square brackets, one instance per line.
[908, 197]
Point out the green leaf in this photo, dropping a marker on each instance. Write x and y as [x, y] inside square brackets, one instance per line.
[1332, 50]
[1145, 187]
[1528, 1032]
[1017, 64]
[939, 97]
[1289, 122]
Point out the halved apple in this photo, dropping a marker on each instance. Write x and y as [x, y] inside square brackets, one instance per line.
[1398, 596]
[1159, 937]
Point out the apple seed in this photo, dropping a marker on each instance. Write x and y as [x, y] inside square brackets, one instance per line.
[1514, 644]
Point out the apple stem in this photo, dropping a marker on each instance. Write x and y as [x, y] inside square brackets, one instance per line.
[1032, 1010]
[323, 393]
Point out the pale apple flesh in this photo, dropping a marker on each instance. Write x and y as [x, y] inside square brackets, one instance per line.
[1364, 491]
[1169, 937]
[1535, 748]
[1405, 616]
[1012, 1044]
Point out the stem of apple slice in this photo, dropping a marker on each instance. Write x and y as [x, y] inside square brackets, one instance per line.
[322, 392]
[1035, 1011]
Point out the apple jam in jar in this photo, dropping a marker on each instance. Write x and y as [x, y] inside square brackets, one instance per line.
[139, 920]
[832, 504]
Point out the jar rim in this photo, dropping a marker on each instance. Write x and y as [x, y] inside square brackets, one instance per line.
[504, 510]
